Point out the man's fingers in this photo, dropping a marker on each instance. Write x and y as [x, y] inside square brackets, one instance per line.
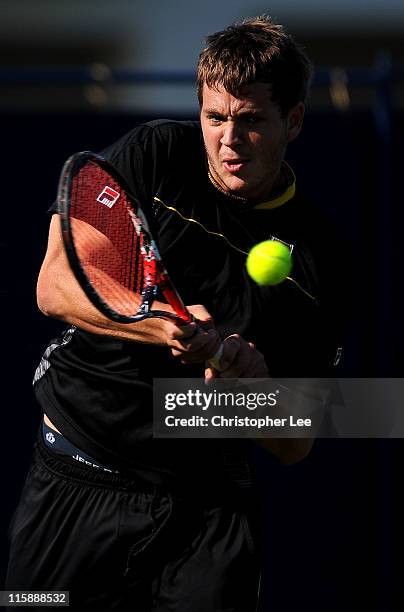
[231, 347]
[202, 316]
[179, 333]
[200, 347]
[204, 352]
[241, 359]
[210, 374]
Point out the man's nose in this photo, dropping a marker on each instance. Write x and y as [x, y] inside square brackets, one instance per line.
[231, 134]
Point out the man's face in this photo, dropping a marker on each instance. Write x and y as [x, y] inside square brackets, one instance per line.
[245, 138]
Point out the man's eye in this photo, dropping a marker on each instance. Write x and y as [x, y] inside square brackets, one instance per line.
[251, 119]
[215, 118]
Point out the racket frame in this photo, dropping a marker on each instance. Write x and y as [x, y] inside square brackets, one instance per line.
[181, 316]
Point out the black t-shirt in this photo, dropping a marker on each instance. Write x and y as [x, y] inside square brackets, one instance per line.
[97, 389]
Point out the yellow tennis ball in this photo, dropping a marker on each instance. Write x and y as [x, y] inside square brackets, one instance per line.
[269, 262]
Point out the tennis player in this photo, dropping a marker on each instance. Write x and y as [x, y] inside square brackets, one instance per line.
[118, 519]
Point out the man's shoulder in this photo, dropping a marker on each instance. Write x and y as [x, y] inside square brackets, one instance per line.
[311, 218]
[158, 139]
[184, 136]
[164, 131]
[173, 126]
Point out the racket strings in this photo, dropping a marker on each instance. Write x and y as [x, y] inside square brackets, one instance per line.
[110, 252]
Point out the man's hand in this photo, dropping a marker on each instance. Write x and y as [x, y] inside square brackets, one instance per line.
[196, 342]
[240, 359]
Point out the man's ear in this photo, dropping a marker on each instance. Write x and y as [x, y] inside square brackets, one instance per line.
[294, 121]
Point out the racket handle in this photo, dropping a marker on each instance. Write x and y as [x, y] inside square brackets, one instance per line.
[214, 361]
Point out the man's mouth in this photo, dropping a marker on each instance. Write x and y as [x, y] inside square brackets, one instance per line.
[234, 165]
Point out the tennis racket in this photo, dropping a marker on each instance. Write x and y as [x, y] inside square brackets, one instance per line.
[109, 245]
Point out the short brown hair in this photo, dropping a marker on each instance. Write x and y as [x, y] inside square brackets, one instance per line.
[256, 50]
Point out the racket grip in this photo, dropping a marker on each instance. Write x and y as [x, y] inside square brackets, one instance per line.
[214, 361]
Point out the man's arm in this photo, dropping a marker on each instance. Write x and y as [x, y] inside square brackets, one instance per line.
[242, 360]
[59, 295]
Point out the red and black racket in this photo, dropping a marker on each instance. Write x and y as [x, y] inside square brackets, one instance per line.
[109, 244]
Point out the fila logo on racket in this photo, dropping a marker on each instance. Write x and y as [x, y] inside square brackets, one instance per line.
[108, 196]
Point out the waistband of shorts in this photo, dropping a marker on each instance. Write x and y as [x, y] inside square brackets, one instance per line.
[57, 443]
[65, 467]
[69, 469]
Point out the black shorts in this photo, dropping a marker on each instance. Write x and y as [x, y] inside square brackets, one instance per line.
[121, 544]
